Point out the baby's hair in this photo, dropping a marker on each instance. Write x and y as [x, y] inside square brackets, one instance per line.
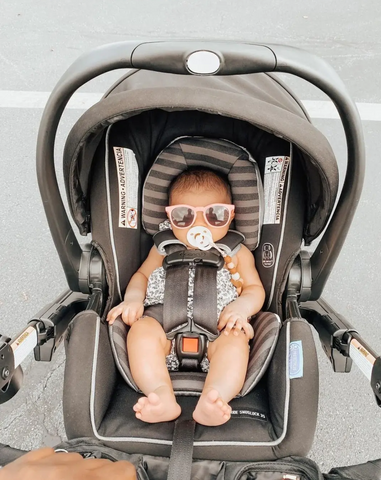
[199, 178]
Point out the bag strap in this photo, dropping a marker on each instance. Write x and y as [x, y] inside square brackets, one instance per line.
[9, 454]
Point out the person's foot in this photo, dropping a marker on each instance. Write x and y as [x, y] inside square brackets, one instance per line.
[211, 410]
[159, 406]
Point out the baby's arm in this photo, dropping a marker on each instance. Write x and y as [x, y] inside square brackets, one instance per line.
[250, 301]
[131, 309]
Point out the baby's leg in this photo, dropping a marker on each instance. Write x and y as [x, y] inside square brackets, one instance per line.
[228, 356]
[147, 348]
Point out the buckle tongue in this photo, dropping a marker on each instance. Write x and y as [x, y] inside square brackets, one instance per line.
[187, 257]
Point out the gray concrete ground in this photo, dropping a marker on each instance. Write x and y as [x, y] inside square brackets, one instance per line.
[40, 39]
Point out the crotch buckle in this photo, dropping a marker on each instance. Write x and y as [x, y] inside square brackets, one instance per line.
[190, 349]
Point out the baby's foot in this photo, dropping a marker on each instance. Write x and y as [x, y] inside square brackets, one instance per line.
[211, 410]
[157, 407]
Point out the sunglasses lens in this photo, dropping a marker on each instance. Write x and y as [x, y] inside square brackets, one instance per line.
[217, 215]
[182, 217]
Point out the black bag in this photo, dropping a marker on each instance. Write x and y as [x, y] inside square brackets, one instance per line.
[156, 468]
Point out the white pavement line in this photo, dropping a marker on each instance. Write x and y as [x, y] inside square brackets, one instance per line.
[322, 109]
[83, 101]
[20, 99]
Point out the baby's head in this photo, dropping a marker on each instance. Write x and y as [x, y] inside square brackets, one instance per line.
[200, 187]
[200, 181]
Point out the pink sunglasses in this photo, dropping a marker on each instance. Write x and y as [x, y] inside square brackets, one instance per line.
[216, 215]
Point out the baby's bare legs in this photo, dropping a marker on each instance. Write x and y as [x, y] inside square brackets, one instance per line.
[147, 348]
[228, 356]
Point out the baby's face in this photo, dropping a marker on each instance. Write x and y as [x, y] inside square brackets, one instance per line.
[200, 198]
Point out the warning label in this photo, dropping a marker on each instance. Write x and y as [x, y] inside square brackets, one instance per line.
[273, 186]
[23, 345]
[128, 181]
[362, 358]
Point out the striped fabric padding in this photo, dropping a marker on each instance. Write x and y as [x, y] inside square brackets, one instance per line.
[266, 331]
[266, 327]
[221, 155]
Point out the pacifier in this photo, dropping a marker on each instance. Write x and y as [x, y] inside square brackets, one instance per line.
[200, 237]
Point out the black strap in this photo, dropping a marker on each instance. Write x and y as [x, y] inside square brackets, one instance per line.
[9, 454]
[180, 462]
[175, 299]
[231, 240]
[205, 300]
[166, 241]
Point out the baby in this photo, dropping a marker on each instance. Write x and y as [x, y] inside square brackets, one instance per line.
[147, 343]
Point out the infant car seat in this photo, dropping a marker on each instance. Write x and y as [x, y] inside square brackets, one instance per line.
[246, 186]
[119, 160]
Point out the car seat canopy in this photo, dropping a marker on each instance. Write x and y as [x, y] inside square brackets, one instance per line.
[216, 107]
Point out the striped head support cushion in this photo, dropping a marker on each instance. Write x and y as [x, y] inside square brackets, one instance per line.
[227, 158]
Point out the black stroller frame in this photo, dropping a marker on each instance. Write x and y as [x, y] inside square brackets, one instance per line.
[83, 265]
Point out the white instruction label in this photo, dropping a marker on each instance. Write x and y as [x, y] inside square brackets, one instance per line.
[23, 345]
[273, 186]
[362, 358]
[128, 181]
[295, 360]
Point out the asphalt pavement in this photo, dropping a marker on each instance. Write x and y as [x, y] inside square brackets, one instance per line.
[38, 42]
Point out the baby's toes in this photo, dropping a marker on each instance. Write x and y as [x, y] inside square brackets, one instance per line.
[140, 404]
[226, 411]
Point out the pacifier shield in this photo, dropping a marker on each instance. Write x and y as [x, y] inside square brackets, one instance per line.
[200, 237]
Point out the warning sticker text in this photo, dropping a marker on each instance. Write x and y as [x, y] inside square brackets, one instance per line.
[128, 180]
[273, 185]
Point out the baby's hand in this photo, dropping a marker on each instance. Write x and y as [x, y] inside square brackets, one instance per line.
[129, 311]
[233, 319]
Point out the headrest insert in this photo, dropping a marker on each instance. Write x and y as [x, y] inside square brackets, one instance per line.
[221, 155]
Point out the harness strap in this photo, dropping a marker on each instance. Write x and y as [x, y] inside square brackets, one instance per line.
[175, 300]
[205, 300]
[165, 240]
[180, 462]
[231, 242]
[177, 262]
